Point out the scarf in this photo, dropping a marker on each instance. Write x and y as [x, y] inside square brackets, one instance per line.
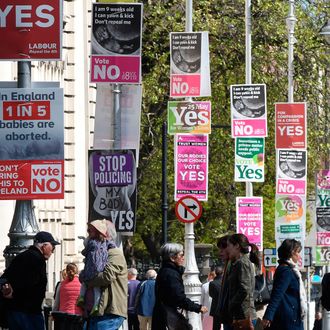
[302, 292]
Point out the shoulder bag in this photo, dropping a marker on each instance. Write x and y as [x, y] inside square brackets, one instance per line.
[174, 319]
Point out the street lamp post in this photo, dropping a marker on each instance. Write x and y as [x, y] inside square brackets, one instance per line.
[325, 32]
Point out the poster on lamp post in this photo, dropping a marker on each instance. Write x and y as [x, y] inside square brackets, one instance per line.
[191, 166]
[249, 159]
[32, 143]
[127, 122]
[322, 214]
[190, 64]
[31, 30]
[249, 218]
[112, 187]
[248, 106]
[189, 117]
[116, 43]
[291, 169]
[290, 126]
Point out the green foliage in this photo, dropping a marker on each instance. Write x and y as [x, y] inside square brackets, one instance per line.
[225, 21]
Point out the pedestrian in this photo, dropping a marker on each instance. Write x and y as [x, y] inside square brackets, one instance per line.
[288, 304]
[96, 257]
[113, 302]
[214, 291]
[56, 290]
[68, 292]
[133, 283]
[26, 284]
[170, 293]
[241, 280]
[145, 300]
[221, 314]
[206, 301]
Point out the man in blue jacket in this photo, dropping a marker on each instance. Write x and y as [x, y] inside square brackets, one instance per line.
[145, 300]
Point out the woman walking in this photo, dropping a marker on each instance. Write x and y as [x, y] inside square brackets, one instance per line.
[288, 304]
[241, 280]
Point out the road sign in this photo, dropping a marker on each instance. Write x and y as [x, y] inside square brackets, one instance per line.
[188, 209]
[270, 257]
[307, 256]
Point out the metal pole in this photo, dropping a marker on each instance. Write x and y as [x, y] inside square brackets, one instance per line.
[24, 225]
[164, 182]
[291, 21]
[248, 67]
[193, 286]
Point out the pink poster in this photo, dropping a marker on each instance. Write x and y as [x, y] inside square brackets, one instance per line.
[191, 166]
[290, 187]
[249, 218]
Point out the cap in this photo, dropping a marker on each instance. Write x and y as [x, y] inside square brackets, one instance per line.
[44, 237]
[100, 226]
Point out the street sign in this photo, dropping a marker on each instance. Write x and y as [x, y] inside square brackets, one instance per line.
[307, 256]
[270, 257]
[188, 209]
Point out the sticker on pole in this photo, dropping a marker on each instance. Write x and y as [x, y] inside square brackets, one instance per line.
[188, 209]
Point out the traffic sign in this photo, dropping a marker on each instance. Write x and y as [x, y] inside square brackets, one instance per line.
[270, 257]
[188, 209]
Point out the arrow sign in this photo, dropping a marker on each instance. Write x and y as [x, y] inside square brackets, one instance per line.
[188, 209]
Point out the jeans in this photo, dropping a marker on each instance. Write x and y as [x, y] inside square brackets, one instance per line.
[25, 321]
[105, 322]
[227, 326]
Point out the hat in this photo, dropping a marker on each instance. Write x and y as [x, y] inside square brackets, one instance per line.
[45, 237]
[100, 226]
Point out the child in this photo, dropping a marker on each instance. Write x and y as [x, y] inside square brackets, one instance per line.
[96, 256]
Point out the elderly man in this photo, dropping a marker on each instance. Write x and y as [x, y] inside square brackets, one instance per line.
[113, 302]
[26, 284]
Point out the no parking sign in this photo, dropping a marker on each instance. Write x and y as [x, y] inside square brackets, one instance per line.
[188, 209]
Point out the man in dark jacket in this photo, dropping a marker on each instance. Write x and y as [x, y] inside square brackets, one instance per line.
[26, 284]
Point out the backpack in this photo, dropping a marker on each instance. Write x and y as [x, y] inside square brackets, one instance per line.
[325, 299]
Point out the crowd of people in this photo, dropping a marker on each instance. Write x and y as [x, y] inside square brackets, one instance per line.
[106, 293]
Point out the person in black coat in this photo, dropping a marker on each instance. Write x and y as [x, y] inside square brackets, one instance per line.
[288, 304]
[26, 284]
[214, 292]
[169, 289]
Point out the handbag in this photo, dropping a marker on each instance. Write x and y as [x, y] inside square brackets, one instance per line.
[245, 324]
[175, 320]
[262, 291]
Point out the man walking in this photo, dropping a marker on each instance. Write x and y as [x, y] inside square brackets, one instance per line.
[133, 283]
[26, 281]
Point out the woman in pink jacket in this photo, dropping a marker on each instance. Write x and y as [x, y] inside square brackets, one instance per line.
[69, 291]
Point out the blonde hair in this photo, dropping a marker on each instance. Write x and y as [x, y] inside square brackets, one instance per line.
[71, 271]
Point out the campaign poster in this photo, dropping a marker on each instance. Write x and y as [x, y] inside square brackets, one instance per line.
[191, 166]
[290, 126]
[290, 208]
[248, 106]
[322, 256]
[190, 64]
[189, 117]
[249, 218]
[116, 43]
[249, 159]
[107, 120]
[112, 187]
[32, 143]
[31, 30]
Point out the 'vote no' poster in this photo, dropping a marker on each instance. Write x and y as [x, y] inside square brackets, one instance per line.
[112, 187]
[32, 143]
[191, 166]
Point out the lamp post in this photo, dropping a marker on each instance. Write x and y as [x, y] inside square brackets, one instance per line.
[325, 32]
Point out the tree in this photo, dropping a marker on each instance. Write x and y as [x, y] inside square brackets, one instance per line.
[225, 22]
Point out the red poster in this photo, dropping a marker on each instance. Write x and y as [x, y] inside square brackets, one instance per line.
[33, 179]
[290, 125]
[30, 30]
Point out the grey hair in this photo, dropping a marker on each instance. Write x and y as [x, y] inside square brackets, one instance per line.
[39, 245]
[151, 274]
[170, 250]
[132, 271]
